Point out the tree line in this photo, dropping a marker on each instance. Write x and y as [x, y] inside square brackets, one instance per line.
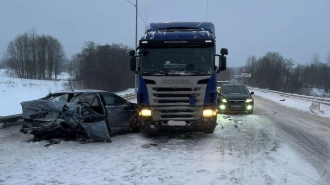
[35, 56]
[106, 66]
[103, 67]
[274, 72]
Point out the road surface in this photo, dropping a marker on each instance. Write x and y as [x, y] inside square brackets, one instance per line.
[275, 145]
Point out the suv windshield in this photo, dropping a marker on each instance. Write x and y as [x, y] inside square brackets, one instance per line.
[177, 61]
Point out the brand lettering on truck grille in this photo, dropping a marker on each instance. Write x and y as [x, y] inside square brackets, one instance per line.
[183, 81]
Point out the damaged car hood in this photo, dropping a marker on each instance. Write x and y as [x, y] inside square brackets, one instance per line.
[42, 109]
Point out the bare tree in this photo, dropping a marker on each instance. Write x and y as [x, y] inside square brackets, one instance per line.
[41, 56]
[17, 55]
[103, 67]
[315, 59]
[328, 58]
[34, 56]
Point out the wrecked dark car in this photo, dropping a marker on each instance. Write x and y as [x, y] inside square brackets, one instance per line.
[85, 115]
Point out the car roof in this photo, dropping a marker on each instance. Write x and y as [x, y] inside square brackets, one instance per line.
[224, 85]
[82, 91]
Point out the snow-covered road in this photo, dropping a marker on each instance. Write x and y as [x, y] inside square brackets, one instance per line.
[275, 145]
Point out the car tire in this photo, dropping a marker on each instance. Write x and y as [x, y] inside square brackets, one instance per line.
[135, 126]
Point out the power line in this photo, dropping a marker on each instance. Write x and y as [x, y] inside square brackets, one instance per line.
[137, 11]
[130, 2]
[145, 12]
[141, 18]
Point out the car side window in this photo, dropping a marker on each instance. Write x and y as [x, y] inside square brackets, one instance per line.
[62, 98]
[112, 100]
[90, 99]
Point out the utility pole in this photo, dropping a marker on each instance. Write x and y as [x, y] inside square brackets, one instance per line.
[136, 45]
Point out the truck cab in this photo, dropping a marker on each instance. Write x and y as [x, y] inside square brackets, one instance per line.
[176, 68]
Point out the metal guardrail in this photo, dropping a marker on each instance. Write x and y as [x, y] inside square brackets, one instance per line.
[325, 101]
[12, 120]
[7, 121]
[129, 96]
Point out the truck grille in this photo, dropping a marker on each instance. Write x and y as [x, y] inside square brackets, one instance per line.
[183, 100]
[179, 113]
[174, 95]
[172, 103]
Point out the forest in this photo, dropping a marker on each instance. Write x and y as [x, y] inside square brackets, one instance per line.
[106, 66]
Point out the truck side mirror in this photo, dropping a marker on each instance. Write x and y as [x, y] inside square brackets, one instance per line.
[132, 53]
[132, 63]
[224, 51]
[223, 59]
[222, 63]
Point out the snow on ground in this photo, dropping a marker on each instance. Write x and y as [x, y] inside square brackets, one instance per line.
[15, 90]
[124, 161]
[292, 102]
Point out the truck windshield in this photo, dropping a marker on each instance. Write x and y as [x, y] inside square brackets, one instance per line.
[177, 61]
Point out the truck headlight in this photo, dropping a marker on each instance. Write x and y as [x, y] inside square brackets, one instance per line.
[209, 113]
[145, 112]
[248, 100]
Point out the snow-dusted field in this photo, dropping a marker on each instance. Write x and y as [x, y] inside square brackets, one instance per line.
[277, 144]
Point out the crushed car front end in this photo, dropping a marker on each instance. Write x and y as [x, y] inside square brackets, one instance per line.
[53, 117]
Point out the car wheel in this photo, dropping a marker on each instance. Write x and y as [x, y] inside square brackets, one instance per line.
[135, 126]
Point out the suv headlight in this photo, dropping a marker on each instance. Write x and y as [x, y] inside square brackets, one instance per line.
[248, 100]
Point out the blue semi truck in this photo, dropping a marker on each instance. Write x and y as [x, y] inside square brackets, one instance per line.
[176, 71]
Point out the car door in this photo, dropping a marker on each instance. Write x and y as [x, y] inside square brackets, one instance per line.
[119, 112]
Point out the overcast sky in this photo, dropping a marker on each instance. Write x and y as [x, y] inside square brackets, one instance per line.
[296, 29]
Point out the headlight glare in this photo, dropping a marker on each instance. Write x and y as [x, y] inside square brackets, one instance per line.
[224, 100]
[209, 113]
[248, 100]
[145, 112]
[222, 107]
